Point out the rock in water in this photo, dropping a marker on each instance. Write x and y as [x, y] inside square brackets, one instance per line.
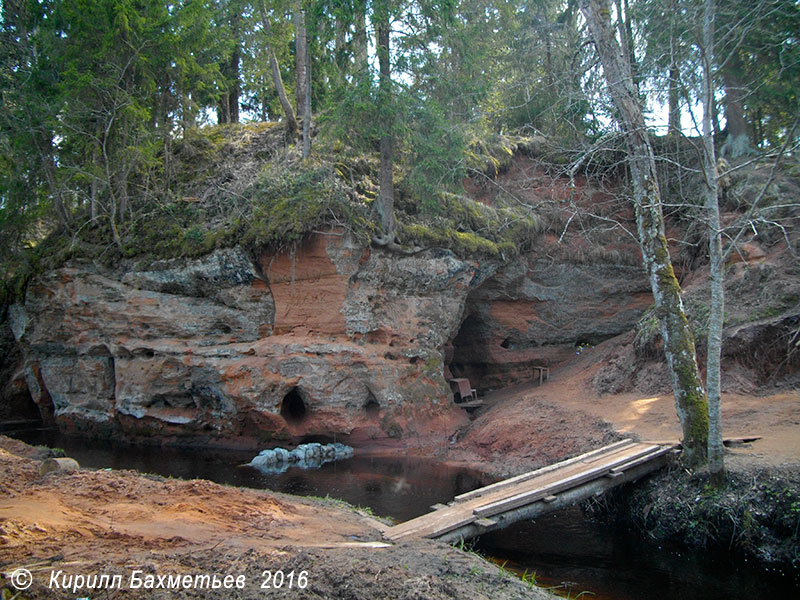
[305, 456]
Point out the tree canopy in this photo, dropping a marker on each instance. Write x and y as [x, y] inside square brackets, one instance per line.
[98, 97]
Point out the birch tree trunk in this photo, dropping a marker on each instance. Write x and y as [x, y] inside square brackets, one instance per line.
[717, 310]
[690, 398]
[277, 80]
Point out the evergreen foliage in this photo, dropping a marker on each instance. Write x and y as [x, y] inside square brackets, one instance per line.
[105, 108]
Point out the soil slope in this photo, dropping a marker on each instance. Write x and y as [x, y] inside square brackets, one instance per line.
[531, 425]
[118, 522]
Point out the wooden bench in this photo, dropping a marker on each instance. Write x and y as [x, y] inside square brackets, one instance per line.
[464, 389]
[544, 373]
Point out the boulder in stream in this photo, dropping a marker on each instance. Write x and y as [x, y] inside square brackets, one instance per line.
[305, 456]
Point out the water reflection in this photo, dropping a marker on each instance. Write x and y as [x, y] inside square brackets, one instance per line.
[565, 550]
[574, 555]
[397, 487]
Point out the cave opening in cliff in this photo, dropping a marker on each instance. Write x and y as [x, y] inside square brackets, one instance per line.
[293, 407]
[468, 354]
[19, 411]
[372, 407]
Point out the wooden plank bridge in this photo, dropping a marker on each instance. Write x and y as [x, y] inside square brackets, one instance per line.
[532, 494]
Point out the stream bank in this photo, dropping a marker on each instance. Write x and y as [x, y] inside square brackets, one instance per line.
[569, 551]
[755, 515]
[118, 522]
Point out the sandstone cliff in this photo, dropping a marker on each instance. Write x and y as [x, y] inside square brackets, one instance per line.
[328, 339]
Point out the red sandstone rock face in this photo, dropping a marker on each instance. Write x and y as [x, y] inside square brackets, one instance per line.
[536, 312]
[221, 351]
[308, 288]
[329, 339]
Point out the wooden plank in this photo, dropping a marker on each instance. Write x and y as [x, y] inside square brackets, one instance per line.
[726, 441]
[734, 441]
[485, 523]
[548, 469]
[470, 404]
[438, 506]
[523, 490]
[398, 535]
[440, 523]
[537, 494]
[433, 521]
[569, 497]
[643, 459]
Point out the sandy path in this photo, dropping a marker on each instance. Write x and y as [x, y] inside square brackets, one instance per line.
[776, 417]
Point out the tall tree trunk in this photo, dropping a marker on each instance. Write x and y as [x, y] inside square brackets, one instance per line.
[758, 129]
[740, 135]
[674, 82]
[626, 35]
[717, 310]
[715, 121]
[49, 164]
[301, 48]
[223, 109]
[385, 203]
[235, 88]
[690, 399]
[338, 43]
[235, 91]
[93, 201]
[360, 55]
[674, 126]
[307, 106]
[94, 189]
[277, 80]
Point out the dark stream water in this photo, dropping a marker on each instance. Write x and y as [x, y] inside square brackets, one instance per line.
[565, 551]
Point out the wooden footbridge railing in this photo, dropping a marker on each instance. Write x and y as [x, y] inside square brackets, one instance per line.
[533, 494]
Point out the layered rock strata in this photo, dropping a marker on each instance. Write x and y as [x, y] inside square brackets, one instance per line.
[536, 312]
[327, 339]
[331, 339]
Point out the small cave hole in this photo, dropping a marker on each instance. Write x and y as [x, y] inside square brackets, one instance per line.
[222, 327]
[20, 411]
[506, 343]
[293, 407]
[371, 406]
[100, 350]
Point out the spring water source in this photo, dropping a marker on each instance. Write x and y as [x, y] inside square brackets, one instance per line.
[567, 552]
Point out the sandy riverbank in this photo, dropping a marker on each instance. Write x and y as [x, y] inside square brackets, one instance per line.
[123, 523]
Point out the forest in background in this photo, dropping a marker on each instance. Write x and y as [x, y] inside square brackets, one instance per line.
[370, 115]
[98, 96]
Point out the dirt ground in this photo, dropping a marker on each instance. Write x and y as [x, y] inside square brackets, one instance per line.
[755, 514]
[88, 523]
[529, 425]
